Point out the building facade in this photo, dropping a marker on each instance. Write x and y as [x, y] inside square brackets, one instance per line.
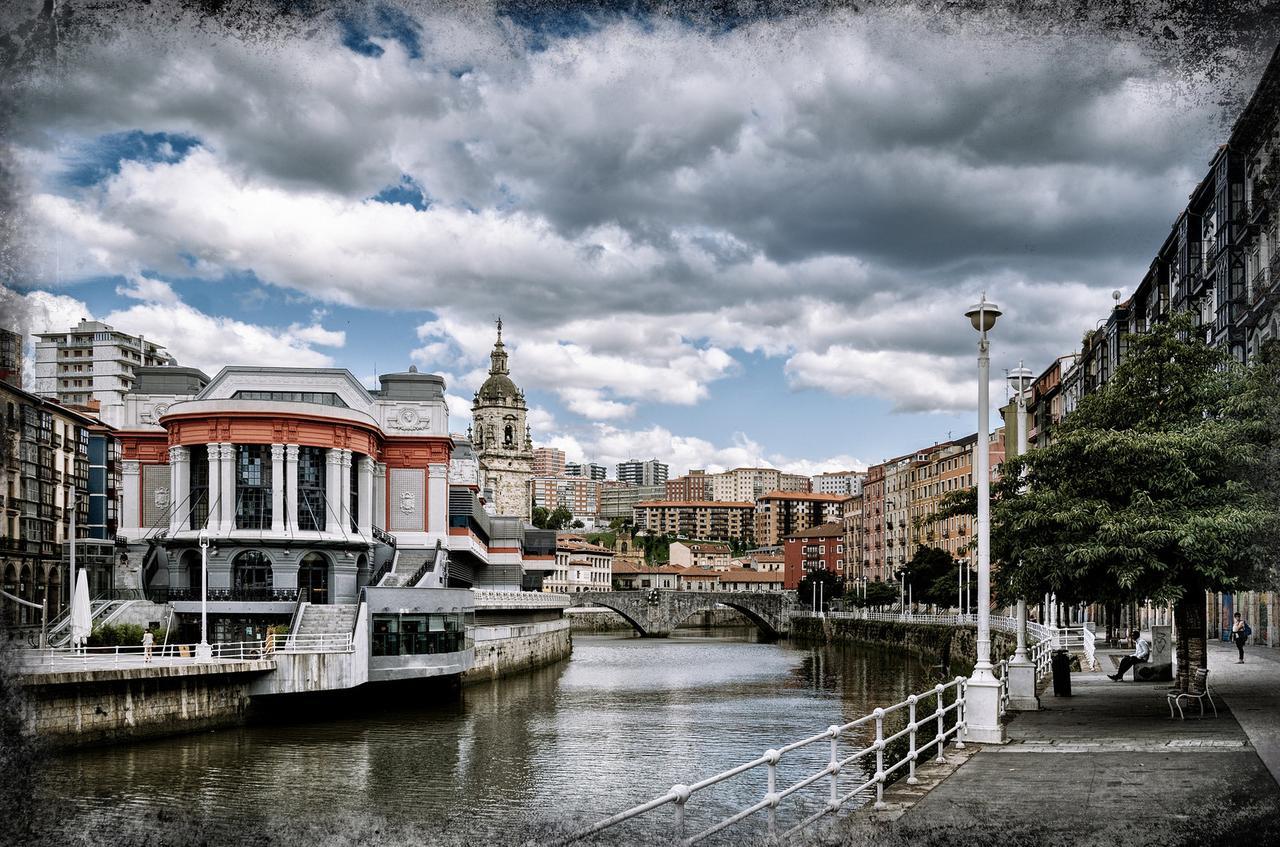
[816, 548]
[92, 361]
[581, 496]
[743, 484]
[548, 462]
[846, 483]
[590, 470]
[643, 473]
[782, 513]
[699, 554]
[618, 500]
[580, 566]
[501, 437]
[707, 520]
[695, 485]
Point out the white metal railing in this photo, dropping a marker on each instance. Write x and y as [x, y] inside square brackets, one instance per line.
[134, 655]
[838, 764]
[519, 600]
[329, 642]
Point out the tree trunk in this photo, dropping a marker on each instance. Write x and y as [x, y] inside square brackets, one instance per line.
[1192, 644]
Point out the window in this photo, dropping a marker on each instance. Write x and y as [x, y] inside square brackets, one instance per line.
[251, 575]
[311, 488]
[322, 398]
[199, 495]
[421, 634]
[253, 486]
[355, 493]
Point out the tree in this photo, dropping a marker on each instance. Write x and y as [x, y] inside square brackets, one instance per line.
[539, 517]
[878, 594]
[1149, 490]
[560, 518]
[577, 524]
[832, 587]
[931, 574]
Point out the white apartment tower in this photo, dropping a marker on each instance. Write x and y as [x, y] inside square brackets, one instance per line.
[91, 361]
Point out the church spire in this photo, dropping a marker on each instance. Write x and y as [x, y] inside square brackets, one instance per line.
[499, 355]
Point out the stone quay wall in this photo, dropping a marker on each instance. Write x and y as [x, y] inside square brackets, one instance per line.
[590, 619]
[508, 649]
[954, 647]
[112, 706]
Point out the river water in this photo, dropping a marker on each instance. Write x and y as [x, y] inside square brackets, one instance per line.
[621, 721]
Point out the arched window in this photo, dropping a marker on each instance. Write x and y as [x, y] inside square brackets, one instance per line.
[251, 575]
[509, 439]
[195, 574]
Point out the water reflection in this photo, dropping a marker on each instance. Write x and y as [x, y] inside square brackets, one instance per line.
[623, 720]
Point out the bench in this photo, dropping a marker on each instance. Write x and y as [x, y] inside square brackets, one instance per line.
[1198, 690]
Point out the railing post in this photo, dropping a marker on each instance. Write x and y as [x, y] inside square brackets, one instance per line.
[938, 691]
[771, 793]
[960, 692]
[911, 734]
[834, 768]
[879, 715]
[681, 793]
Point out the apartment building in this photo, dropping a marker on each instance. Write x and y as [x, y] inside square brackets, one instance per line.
[618, 500]
[548, 462]
[699, 554]
[782, 513]
[11, 358]
[873, 530]
[816, 548]
[695, 485]
[709, 520]
[847, 483]
[91, 361]
[590, 470]
[580, 566]
[579, 495]
[636, 472]
[743, 484]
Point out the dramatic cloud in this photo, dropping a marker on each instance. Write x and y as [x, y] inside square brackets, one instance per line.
[644, 202]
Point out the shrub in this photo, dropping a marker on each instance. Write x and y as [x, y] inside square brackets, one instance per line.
[116, 635]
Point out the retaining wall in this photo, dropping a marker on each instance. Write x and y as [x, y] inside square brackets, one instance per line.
[955, 647]
[504, 650]
[108, 706]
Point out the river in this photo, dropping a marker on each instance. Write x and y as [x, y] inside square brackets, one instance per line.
[621, 721]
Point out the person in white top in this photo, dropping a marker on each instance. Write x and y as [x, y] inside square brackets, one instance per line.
[148, 641]
[1240, 632]
[1140, 656]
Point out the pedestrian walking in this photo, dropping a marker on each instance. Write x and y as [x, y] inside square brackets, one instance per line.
[1240, 632]
[1140, 655]
[148, 641]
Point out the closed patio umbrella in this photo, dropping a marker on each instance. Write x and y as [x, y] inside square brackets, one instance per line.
[81, 617]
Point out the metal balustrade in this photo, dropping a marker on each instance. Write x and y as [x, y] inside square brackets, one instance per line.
[134, 655]
[876, 749]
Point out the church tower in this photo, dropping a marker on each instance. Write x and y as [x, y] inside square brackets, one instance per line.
[501, 437]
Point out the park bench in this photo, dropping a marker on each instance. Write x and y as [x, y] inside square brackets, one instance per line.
[1198, 690]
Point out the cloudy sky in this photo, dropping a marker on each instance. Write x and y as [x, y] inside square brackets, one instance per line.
[750, 242]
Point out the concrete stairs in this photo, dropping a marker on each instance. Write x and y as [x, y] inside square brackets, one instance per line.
[407, 564]
[326, 619]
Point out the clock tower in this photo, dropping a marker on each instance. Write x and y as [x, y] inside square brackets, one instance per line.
[501, 437]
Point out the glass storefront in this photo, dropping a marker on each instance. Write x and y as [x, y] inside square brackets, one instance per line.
[421, 634]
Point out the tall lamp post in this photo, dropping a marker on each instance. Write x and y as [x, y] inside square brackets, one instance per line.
[1020, 382]
[203, 651]
[982, 706]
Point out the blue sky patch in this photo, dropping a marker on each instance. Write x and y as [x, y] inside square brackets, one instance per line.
[95, 160]
[383, 21]
[407, 191]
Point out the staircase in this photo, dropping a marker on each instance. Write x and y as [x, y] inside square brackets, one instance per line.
[326, 619]
[100, 612]
[407, 565]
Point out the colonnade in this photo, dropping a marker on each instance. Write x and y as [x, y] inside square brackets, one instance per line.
[340, 464]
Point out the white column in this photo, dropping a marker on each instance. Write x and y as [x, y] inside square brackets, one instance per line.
[332, 479]
[364, 479]
[291, 487]
[130, 473]
[438, 497]
[214, 520]
[344, 489]
[277, 488]
[179, 488]
[228, 487]
[379, 501]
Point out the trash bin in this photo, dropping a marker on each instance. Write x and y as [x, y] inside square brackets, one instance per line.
[1061, 665]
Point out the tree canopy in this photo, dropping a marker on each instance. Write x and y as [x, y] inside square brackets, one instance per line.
[932, 574]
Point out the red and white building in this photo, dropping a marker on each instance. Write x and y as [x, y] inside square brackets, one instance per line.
[818, 548]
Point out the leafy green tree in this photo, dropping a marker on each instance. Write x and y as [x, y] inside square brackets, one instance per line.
[878, 594]
[577, 524]
[832, 587]
[559, 518]
[931, 574]
[1151, 488]
[539, 517]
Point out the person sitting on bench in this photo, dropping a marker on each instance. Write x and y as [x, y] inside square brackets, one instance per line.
[1141, 655]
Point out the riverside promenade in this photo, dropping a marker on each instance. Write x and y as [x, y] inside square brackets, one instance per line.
[1109, 766]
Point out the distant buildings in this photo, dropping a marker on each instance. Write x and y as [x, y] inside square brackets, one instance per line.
[91, 362]
[782, 513]
[846, 483]
[695, 485]
[708, 520]
[548, 462]
[579, 495]
[619, 501]
[817, 548]
[11, 358]
[591, 470]
[636, 472]
[699, 554]
[580, 566]
[742, 484]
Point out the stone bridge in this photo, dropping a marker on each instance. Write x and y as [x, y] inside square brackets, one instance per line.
[655, 612]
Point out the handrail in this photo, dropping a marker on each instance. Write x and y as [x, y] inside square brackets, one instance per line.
[383, 569]
[427, 564]
[130, 654]
[873, 775]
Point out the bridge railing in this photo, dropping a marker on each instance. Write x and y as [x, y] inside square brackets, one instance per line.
[879, 756]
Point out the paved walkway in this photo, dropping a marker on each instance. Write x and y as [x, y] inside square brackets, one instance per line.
[1109, 766]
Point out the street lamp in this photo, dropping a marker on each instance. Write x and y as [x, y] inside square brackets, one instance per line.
[1020, 382]
[203, 651]
[982, 707]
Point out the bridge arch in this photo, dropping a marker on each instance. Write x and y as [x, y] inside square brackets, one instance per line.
[619, 606]
[767, 628]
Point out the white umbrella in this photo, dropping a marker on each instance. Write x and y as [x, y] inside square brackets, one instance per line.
[81, 617]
